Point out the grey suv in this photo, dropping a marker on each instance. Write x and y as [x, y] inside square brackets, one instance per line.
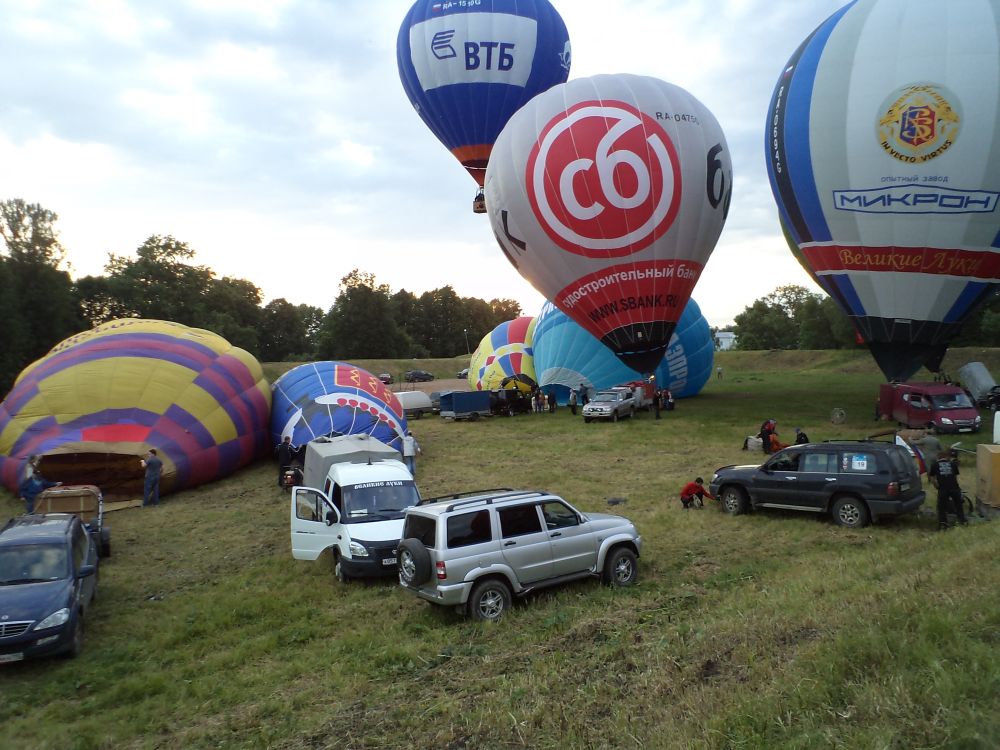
[855, 481]
[476, 550]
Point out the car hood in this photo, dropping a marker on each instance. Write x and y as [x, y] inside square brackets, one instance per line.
[740, 467]
[376, 531]
[34, 601]
[601, 521]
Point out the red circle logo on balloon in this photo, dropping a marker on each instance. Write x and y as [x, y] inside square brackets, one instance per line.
[604, 180]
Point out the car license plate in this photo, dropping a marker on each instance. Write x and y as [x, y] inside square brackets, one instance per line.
[904, 487]
[4, 658]
[388, 560]
[965, 429]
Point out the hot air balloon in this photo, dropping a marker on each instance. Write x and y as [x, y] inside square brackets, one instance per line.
[505, 352]
[567, 356]
[884, 158]
[608, 194]
[99, 400]
[467, 67]
[334, 398]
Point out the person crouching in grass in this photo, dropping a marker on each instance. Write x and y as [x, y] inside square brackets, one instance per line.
[694, 493]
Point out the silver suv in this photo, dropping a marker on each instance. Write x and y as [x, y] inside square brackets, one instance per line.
[613, 404]
[476, 550]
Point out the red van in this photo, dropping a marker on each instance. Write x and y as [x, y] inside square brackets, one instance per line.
[941, 407]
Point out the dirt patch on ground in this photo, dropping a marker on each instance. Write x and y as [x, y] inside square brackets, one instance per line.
[445, 384]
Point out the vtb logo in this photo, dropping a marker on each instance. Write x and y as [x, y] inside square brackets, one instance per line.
[604, 180]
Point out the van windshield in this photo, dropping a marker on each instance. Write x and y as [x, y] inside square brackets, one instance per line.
[951, 401]
[379, 501]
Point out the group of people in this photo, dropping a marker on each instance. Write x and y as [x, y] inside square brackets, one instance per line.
[542, 402]
[771, 443]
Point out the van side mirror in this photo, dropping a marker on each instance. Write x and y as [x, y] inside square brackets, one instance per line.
[86, 570]
[332, 517]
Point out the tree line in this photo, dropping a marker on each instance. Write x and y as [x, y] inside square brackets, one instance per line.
[792, 317]
[41, 304]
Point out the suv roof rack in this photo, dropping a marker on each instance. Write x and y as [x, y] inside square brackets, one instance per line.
[467, 493]
[502, 496]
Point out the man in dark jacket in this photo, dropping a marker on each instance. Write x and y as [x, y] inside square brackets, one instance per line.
[944, 475]
[286, 453]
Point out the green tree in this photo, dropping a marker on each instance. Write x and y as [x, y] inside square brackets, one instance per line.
[765, 326]
[504, 310]
[287, 330]
[360, 324]
[159, 283]
[38, 297]
[439, 323]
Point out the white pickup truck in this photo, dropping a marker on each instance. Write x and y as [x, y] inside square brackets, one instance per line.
[356, 494]
[613, 404]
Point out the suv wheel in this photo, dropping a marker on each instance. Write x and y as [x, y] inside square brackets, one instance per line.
[489, 600]
[621, 568]
[414, 562]
[850, 512]
[734, 500]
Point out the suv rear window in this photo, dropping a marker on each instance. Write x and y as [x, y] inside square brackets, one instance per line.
[858, 462]
[469, 528]
[420, 528]
[519, 520]
[901, 461]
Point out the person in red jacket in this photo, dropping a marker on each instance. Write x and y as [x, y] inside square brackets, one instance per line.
[694, 491]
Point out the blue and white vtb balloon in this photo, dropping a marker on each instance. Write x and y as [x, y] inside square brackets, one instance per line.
[468, 66]
[883, 150]
[568, 356]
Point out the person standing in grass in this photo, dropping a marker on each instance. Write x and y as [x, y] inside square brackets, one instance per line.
[572, 401]
[694, 492]
[151, 485]
[944, 476]
[411, 449]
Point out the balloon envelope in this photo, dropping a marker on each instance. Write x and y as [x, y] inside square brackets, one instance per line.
[504, 352]
[566, 355]
[99, 400]
[467, 67]
[608, 194]
[334, 398]
[884, 159]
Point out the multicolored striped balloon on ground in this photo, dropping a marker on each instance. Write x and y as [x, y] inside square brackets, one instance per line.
[504, 352]
[99, 400]
[335, 398]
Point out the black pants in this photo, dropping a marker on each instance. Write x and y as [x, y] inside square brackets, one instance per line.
[950, 501]
[688, 501]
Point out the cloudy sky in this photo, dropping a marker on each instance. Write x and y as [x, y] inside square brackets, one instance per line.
[274, 136]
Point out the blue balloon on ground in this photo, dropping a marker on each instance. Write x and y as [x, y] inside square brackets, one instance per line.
[567, 356]
[334, 398]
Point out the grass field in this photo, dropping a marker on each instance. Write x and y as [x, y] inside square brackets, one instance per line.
[773, 630]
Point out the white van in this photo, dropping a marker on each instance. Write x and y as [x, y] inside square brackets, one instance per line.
[356, 496]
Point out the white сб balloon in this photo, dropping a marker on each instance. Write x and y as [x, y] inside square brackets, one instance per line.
[608, 194]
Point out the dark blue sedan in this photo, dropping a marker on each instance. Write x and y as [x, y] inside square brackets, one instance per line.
[48, 578]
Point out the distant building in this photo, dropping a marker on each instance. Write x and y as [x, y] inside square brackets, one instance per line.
[725, 340]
